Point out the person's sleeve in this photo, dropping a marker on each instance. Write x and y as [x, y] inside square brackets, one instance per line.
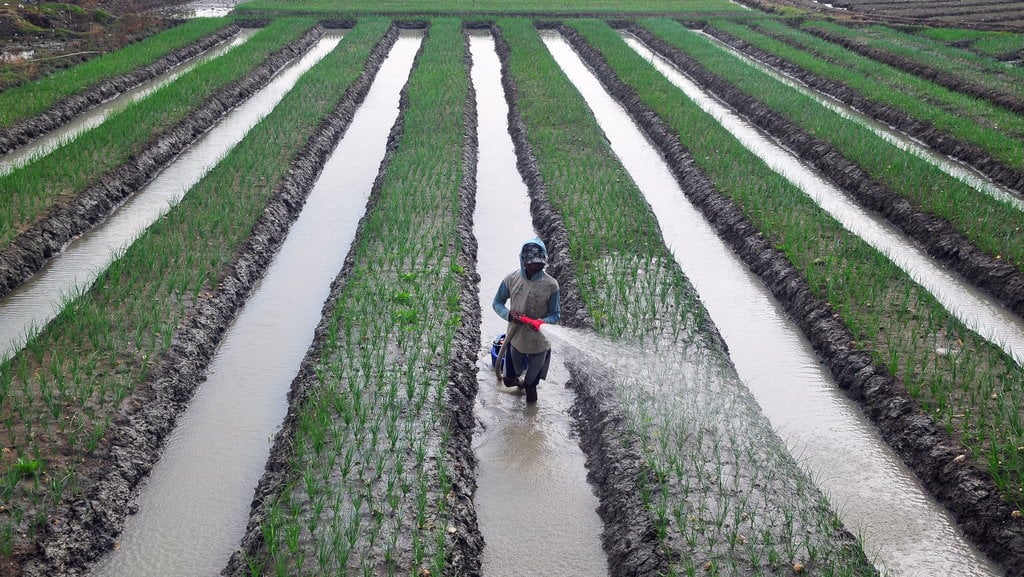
[499, 300]
[554, 308]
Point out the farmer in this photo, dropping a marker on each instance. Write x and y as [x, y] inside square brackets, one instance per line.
[533, 299]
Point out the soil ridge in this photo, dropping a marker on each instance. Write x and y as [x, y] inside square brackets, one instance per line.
[32, 248]
[921, 70]
[65, 110]
[84, 528]
[939, 237]
[962, 487]
[940, 141]
[614, 465]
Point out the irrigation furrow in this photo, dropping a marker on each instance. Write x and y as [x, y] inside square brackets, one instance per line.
[886, 507]
[705, 469]
[532, 490]
[33, 246]
[997, 272]
[170, 311]
[980, 159]
[367, 479]
[95, 116]
[22, 131]
[921, 70]
[956, 482]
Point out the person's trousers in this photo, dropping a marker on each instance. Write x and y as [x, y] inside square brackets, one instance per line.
[535, 365]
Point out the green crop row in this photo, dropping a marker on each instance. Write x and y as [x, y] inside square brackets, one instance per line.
[955, 61]
[33, 189]
[994, 44]
[370, 482]
[59, 394]
[723, 493]
[489, 6]
[993, 129]
[33, 98]
[967, 384]
[993, 226]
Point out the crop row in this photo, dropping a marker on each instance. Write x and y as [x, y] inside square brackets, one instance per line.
[934, 114]
[1002, 45]
[370, 487]
[969, 387]
[435, 7]
[148, 325]
[954, 68]
[940, 212]
[31, 99]
[721, 492]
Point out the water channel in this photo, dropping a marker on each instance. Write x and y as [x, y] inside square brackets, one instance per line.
[35, 303]
[975, 309]
[535, 509]
[194, 507]
[96, 115]
[903, 530]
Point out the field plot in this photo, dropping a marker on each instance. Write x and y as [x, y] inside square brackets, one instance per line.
[373, 470]
[1005, 14]
[1005, 46]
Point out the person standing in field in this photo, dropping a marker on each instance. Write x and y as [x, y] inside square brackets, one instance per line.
[533, 299]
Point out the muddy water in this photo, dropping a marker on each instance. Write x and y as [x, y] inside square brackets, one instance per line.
[952, 167]
[24, 311]
[198, 9]
[975, 309]
[96, 115]
[534, 507]
[194, 508]
[902, 529]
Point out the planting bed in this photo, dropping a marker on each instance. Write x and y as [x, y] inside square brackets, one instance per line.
[373, 470]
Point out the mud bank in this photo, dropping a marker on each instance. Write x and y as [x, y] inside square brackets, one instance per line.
[64, 111]
[81, 530]
[920, 130]
[1008, 101]
[30, 250]
[464, 544]
[967, 491]
[630, 538]
[1002, 280]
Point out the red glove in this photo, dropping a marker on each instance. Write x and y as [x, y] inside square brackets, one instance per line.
[533, 323]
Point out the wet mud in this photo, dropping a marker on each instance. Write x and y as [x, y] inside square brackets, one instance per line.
[85, 527]
[923, 131]
[962, 487]
[30, 250]
[950, 81]
[67, 109]
[615, 467]
[464, 545]
[1002, 280]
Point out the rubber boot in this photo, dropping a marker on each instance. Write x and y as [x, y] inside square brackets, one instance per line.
[531, 393]
[511, 382]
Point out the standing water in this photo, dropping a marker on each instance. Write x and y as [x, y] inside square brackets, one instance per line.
[96, 115]
[901, 527]
[194, 507]
[35, 303]
[534, 507]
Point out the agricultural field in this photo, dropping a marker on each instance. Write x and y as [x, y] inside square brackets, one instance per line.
[364, 461]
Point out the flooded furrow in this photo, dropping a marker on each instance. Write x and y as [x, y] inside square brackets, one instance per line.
[955, 168]
[978, 311]
[535, 509]
[193, 509]
[902, 528]
[95, 116]
[36, 302]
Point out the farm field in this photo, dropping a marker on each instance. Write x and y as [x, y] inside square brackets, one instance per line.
[371, 468]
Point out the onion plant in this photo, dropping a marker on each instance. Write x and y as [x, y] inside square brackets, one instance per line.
[370, 488]
[967, 384]
[992, 225]
[993, 129]
[61, 393]
[991, 43]
[30, 99]
[724, 495]
[34, 188]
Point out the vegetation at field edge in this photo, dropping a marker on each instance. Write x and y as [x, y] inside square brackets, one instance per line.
[396, 7]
